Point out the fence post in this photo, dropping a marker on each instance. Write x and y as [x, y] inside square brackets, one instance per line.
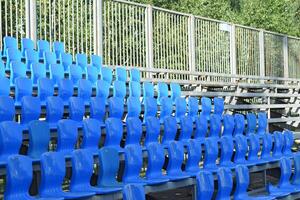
[192, 54]
[262, 53]
[233, 56]
[98, 27]
[286, 57]
[149, 38]
[30, 17]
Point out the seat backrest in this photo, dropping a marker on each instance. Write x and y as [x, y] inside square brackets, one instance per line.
[148, 89]
[267, 144]
[204, 185]
[50, 59]
[194, 150]
[176, 157]
[218, 106]
[39, 138]
[224, 183]
[54, 109]
[239, 121]
[193, 107]
[135, 75]
[26, 44]
[106, 74]
[175, 91]
[242, 181]
[288, 142]
[2, 69]
[116, 107]
[9, 43]
[156, 159]
[121, 74]
[228, 123]
[134, 130]
[76, 109]
[38, 70]
[215, 125]
[102, 89]
[23, 87]
[56, 73]
[180, 108]
[43, 46]
[114, 132]
[134, 89]
[254, 147]
[65, 89]
[226, 144]
[241, 148]
[92, 74]
[206, 107]
[97, 108]
[211, 153]
[119, 89]
[31, 57]
[81, 60]
[58, 49]
[166, 108]
[133, 107]
[75, 73]
[150, 107]
[152, 130]
[133, 192]
[67, 134]
[187, 127]
[162, 91]
[91, 134]
[262, 121]
[96, 61]
[133, 157]
[251, 123]
[85, 90]
[7, 108]
[201, 127]
[13, 54]
[31, 109]
[45, 88]
[285, 172]
[278, 144]
[66, 60]
[170, 129]
[18, 69]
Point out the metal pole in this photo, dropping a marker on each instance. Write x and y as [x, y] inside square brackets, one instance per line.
[98, 27]
[30, 15]
[149, 38]
[192, 55]
[233, 57]
[285, 57]
[262, 53]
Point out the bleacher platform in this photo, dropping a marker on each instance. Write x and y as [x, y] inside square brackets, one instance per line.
[65, 122]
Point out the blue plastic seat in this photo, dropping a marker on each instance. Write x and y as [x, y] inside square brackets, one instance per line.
[50, 59]
[23, 87]
[205, 185]
[206, 107]
[241, 148]
[296, 177]
[53, 169]
[288, 143]
[119, 89]
[31, 110]
[201, 127]
[133, 107]
[39, 138]
[114, 133]
[162, 91]
[239, 121]
[150, 107]
[43, 46]
[148, 90]
[2, 69]
[278, 145]
[254, 148]
[226, 146]
[251, 123]
[97, 109]
[81, 60]
[215, 126]
[134, 130]
[75, 74]
[180, 109]
[7, 109]
[135, 75]
[170, 130]
[13, 55]
[66, 136]
[56, 73]
[134, 89]
[92, 74]
[58, 49]
[267, 144]
[45, 89]
[193, 107]
[116, 107]
[166, 108]
[31, 57]
[187, 127]
[121, 74]
[176, 156]
[102, 89]
[91, 134]
[194, 150]
[82, 171]
[76, 110]
[96, 61]
[106, 74]
[65, 90]
[54, 111]
[4, 86]
[211, 154]
[10, 140]
[38, 70]
[26, 44]
[262, 121]
[133, 192]
[175, 91]
[66, 60]
[224, 183]
[9, 43]
[218, 106]
[152, 130]
[85, 90]
[228, 122]
[18, 69]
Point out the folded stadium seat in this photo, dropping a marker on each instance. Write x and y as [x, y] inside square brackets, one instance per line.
[176, 157]
[66, 61]
[133, 163]
[152, 130]
[175, 91]
[45, 89]
[96, 61]
[56, 73]
[85, 90]
[170, 130]
[278, 145]
[194, 152]
[239, 122]
[215, 126]
[49, 59]
[53, 169]
[156, 159]
[115, 107]
[114, 133]
[180, 108]
[81, 60]
[262, 121]
[54, 111]
[119, 89]
[205, 185]
[75, 74]
[254, 148]
[186, 131]
[296, 177]
[166, 108]
[97, 109]
[218, 106]
[39, 139]
[27, 45]
[106, 74]
[150, 107]
[211, 154]
[201, 128]
[228, 123]
[13, 55]
[19, 174]
[30, 110]
[225, 183]
[121, 74]
[10, 140]
[267, 144]
[251, 123]
[109, 165]
[134, 131]
[2, 69]
[241, 148]
[18, 69]
[206, 107]
[58, 49]
[9, 43]
[288, 143]
[7, 109]
[43, 47]
[38, 70]
[102, 89]
[31, 56]
[82, 171]
[65, 90]
[23, 87]
[91, 135]
[148, 90]
[92, 74]
[162, 91]
[134, 192]
[135, 75]
[193, 107]
[67, 134]
[76, 110]
[4, 86]
[226, 147]
[134, 89]
[242, 183]
[133, 107]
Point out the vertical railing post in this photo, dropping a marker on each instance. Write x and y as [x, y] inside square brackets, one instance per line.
[149, 38]
[262, 54]
[98, 27]
[191, 38]
[286, 57]
[30, 18]
[233, 55]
